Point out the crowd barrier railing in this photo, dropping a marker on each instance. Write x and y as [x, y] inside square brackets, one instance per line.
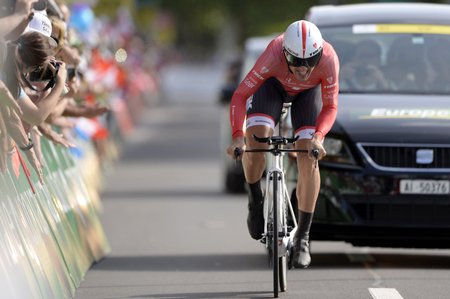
[50, 234]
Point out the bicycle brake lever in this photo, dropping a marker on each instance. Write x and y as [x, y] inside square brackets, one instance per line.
[237, 153]
[315, 153]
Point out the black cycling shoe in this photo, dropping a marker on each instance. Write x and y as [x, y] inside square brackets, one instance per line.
[255, 220]
[301, 258]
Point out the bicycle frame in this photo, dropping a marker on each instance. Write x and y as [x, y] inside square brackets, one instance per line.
[278, 236]
[276, 227]
[286, 233]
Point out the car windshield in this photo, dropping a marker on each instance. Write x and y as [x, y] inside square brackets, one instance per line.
[392, 58]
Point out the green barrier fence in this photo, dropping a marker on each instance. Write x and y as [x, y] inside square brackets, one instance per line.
[50, 234]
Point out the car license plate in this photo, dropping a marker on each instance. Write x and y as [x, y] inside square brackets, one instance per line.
[424, 187]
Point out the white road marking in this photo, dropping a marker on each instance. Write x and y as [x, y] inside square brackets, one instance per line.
[384, 293]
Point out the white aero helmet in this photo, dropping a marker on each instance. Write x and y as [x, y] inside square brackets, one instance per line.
[302, 44]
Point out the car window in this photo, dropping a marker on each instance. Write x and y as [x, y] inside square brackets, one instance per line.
[392, 58]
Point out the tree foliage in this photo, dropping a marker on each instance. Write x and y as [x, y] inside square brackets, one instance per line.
[201, 20]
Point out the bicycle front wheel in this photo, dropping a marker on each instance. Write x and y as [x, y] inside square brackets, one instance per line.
[275, 261]
[282, 272]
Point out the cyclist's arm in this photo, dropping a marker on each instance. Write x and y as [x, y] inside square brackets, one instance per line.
[330, 91]
[251, 83]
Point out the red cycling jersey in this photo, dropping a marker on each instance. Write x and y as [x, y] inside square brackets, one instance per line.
[272, 63]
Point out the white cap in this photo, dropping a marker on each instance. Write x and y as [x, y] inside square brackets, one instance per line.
[40, 23]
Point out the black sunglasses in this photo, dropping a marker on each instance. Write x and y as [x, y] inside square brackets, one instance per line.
[306, 62]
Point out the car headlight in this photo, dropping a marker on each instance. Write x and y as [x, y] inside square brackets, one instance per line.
[337, 151]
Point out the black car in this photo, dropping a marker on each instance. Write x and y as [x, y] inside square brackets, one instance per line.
[386, 178]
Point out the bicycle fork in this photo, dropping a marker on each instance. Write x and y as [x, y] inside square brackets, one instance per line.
[284, 206]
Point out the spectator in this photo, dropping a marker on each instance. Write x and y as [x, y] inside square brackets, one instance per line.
[405, 64]
[438, 51]
[10, 122]
[27, 55]
[363, 71]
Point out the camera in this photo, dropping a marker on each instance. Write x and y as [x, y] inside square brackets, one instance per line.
[44, 73]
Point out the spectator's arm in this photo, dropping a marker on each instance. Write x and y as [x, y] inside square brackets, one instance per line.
[88, 111]
[58, 110]
[70, 55]
[46, 130]
[14, 24]
[17, 132]
[3, 145]
[7, 100]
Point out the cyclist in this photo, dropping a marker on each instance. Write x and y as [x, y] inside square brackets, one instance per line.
[299, 67]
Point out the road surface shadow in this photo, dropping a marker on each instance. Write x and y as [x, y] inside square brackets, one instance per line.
[175, 193]
[218, 262]
[246, 295]
[256, 262]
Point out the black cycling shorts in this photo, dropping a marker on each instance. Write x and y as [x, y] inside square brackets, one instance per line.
[265, 107]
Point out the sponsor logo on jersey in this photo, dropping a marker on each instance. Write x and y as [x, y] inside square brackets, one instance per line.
[257, 75]
[249, 83]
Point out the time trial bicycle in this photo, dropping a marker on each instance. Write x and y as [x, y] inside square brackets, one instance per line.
[280, 223]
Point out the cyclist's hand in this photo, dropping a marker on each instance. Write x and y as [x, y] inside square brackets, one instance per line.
[316, 144]
[238, 142]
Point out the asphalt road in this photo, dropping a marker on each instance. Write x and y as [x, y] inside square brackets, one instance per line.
[175, 234]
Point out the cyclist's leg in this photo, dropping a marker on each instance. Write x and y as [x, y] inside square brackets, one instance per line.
[263, 113]
[305, 110]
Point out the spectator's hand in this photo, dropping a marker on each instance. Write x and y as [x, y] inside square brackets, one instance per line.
[62, 72]
[36, 164]
[74, 87]
[95, 110]
[70, 55]
[7, 100]
[62, 140]
[14, 24]
[377, 76]
[24, 6]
